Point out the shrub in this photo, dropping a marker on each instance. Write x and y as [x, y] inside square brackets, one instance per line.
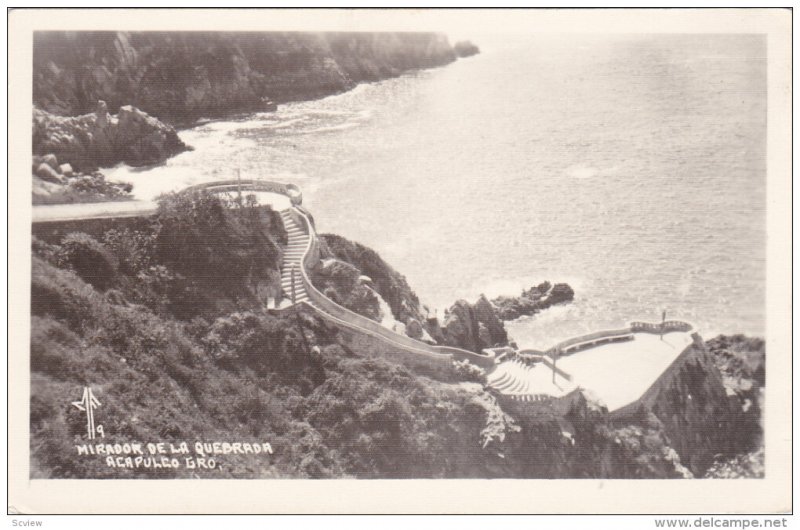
[468, 371]
[62, 295]
[220, 245]
[89, 259]
[133, 249]
[44, 250]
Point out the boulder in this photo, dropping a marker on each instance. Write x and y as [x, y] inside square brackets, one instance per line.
[414, 329]
[43, 190]
[51, 160]
[66, 170]
[561, 292]
[47, 173]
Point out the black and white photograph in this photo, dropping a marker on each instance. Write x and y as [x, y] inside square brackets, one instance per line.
[451, 250]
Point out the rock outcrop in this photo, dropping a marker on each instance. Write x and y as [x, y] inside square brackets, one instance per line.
[387, 282]
[473, 326]
[699, 417]
[99, 139]
[342, 282]
[55, 183]
[181, 76]
[533, 300]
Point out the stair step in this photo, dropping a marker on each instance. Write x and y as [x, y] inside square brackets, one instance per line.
[503, 377]
[505, 384]
[518, 385]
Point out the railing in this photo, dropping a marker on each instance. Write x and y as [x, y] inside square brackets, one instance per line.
[590, 339]
[532, 397]
[666, 327]
[329, 308]
[289, 190]
[576, 344]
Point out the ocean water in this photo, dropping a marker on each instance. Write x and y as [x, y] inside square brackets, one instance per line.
[631, 167]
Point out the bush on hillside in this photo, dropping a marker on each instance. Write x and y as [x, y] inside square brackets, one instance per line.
[134, 249]
[220, 248]
[89, 259]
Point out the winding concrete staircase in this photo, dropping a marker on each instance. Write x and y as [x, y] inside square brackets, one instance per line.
[291, 278]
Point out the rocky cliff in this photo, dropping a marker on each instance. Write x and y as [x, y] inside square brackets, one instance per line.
[181, 76]
[473, 326]
[99, 139]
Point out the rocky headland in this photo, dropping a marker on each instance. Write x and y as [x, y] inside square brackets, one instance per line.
[68, 151]
[101, 98]
[182, 76]
[100, 139]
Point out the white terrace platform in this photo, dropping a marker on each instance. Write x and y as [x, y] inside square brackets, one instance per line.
[620, 372]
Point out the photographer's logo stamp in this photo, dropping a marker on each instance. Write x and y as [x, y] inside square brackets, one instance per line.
[87, 404]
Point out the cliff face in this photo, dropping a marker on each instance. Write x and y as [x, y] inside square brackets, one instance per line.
[182, 76]
[390, 284]
[699, 416]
